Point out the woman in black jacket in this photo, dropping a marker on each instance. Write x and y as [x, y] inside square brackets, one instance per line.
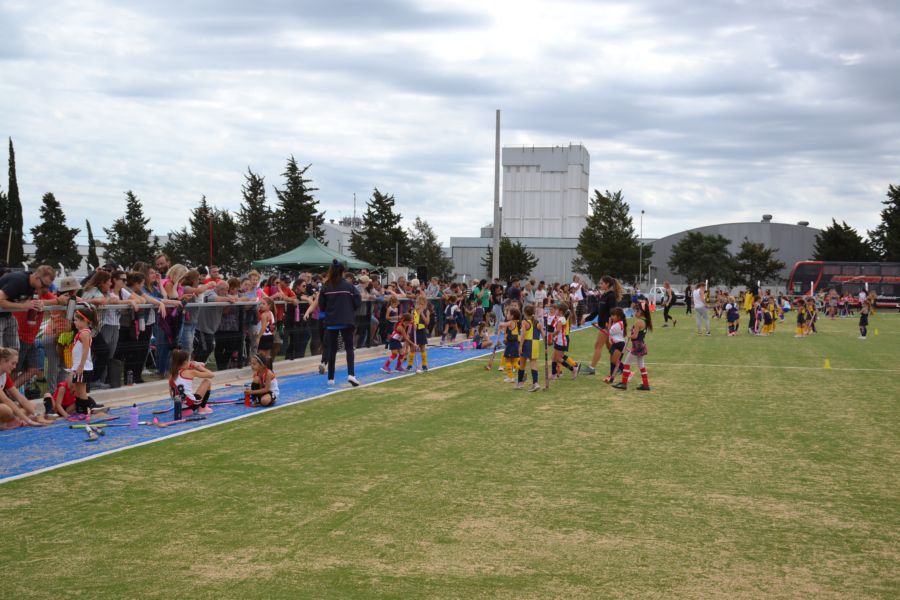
[610, 295]
[339, 300]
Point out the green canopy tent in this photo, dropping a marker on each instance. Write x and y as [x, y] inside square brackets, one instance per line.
[309, 254]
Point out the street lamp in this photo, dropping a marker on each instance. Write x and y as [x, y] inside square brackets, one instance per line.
[641, 251]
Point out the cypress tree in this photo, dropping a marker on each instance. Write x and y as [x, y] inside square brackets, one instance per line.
[254, 220]
[15, 242]
[377, 241]
[92, 258]
[4, 208]
[129, 237]
[296, 211]
[54, 242]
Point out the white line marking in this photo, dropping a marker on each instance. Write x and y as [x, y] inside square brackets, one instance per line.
[229, 420]
[663, 364]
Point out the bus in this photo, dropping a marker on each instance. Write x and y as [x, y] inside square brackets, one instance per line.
[814, 276]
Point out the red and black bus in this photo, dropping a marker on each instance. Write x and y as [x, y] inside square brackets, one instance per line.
[814, 276]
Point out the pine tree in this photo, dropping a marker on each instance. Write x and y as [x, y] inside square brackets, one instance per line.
[54, 242]
[254, 220]
[425, 251]
[296, 211]
[755, 263]
[92, 258]
[842, 242]
[698, 257]
[14, 237]
[190, 246]
[129, 238]
[515, 260]
[886, 237]
[608, 245]
[381, 234]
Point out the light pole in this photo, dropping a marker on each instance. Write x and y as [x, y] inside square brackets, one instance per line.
[641, 251]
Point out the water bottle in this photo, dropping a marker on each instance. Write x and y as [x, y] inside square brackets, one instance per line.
[177, 409]
[129, 377]
[142, 323]
[31, 318]
[133, 414]
[247, 395]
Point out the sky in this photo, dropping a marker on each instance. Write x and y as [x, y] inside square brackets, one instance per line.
[700, 112]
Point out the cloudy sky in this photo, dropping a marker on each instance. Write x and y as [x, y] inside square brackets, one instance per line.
[701, 112]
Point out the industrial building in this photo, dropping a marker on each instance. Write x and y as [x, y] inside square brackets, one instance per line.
[793, 243]
[544, 207]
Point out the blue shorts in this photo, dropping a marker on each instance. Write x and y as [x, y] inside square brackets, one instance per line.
[421, 337]
[527, 348]
[511, 350]
[561, 348]
[395, 344]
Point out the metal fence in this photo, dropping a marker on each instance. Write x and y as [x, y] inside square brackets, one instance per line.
[131, 342]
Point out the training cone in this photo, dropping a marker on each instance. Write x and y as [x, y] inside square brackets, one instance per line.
[827, 364]
[876, 332]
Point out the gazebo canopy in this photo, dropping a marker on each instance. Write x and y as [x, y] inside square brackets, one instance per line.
[311, 253]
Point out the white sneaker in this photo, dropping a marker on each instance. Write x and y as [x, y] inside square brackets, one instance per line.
[418, 371]
[353, 380]
[862, 337]
[508, 380]
[535, 387]
[331, 382]
[520, 386]
[575, 370]
[500, 369]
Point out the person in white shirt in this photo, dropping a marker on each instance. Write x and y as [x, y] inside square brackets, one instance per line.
[701, 312]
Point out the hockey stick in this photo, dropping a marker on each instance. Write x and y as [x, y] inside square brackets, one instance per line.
[88, 421]
[101, 425]
[179, 421]
[490, 364]
[546, 357]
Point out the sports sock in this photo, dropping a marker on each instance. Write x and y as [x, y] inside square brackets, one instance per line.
[570, 364]
[644, 379]
[399, 361]
[626, 374]
[521, 375]
[425, 357]
[612, 369]
[411, 360]
[534, 376]
[509, 368]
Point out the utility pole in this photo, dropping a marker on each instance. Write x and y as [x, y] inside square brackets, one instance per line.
[641, 251]
[495, 264]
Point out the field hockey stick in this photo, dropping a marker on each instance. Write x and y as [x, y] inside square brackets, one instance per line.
[88, 421]
[179, 421]
[490, 364]
[546, 359]
[96, 425]
[163, 411]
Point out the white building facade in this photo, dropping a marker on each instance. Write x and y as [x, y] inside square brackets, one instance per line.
[544, 207]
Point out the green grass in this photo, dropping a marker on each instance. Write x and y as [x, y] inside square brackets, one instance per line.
[748, 480]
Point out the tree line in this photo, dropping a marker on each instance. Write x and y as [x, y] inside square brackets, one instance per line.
[257, 230]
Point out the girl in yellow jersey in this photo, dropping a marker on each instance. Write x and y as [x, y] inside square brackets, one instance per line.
[511, 343]
[529, 349]
[421, 318]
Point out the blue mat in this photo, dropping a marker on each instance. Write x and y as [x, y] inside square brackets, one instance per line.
[29, 450]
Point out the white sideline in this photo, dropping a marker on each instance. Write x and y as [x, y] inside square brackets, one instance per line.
[229, 420]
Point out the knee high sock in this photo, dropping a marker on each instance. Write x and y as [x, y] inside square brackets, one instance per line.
[534, 376]
[863, 331]
[612, 368]
[567, 362]
[387, 363]
[522, 375]
[399, 360]
[509, 367]
[411, 359]
[644, 379]
[425, 357]
[626, 374]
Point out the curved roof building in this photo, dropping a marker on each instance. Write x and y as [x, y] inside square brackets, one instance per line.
[793, 243]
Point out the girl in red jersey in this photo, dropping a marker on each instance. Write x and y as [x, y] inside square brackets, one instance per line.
[190, 382]
[15, 409]
[397, 342]
[265, 339]
[264, 387]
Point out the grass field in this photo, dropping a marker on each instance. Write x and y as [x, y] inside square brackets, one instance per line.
[735, 477]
